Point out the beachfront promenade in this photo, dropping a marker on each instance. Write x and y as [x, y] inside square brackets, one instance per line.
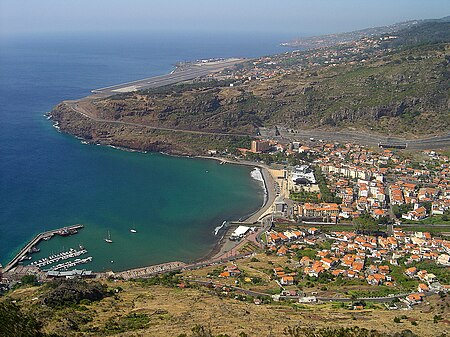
[35, 241]
[231, 254]
[150, 270]
[170, 267]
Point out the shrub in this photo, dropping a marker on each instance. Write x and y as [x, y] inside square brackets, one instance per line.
[437, 318]
[133, 321]
[171, 279]
[15, 323]
[341, 332]
[70, 292]
[85, 301]
[29, 280]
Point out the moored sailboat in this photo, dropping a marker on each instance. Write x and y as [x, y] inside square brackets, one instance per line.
[108, 238]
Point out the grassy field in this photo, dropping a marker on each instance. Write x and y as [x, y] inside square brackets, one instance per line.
[164, 311]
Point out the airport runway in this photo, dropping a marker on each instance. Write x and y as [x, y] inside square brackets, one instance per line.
[191, 72]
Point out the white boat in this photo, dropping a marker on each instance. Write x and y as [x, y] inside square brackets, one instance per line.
[108, 238]
[133, 230]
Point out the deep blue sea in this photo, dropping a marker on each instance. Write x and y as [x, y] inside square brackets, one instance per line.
[49, 180]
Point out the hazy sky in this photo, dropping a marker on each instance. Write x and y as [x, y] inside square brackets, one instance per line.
[294, 17]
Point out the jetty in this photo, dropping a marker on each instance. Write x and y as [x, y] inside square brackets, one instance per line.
[38, 238]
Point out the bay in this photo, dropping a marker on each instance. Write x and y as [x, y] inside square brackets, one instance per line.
[49, 180]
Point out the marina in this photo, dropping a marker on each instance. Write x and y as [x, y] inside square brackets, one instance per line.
[31, 246]
[70, 264]
[71, 253]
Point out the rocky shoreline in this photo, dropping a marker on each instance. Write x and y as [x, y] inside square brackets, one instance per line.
[134, 136]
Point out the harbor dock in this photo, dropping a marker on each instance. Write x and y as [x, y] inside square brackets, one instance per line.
[41, 236]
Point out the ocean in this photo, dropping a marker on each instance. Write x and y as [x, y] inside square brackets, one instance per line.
[49, 180]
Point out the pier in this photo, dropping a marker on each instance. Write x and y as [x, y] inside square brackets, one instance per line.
[41, 236]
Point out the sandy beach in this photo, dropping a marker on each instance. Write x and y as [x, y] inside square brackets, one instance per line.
[225, 247]
[269, 185]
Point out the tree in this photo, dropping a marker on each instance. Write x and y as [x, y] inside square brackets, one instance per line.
[68, 292]
[398, 210]
[366, 223]
[341, 332]
[29, 280]
[427, 205]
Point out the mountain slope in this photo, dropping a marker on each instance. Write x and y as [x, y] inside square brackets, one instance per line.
[402, 89]
[389, 94]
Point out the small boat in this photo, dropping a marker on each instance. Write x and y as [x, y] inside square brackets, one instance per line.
[108, 238]
[133, 230]
[34, 250]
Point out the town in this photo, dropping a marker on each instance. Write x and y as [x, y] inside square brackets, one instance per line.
[335, 183]
[346, 222]
[350, 222]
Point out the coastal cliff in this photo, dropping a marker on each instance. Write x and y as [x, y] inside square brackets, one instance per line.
[403, 91]
[138, 137]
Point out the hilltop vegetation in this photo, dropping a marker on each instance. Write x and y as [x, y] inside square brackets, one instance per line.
[149, 309]
[389, 94]
[429, 32]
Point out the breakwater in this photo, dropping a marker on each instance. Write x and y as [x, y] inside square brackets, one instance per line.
[38, 238]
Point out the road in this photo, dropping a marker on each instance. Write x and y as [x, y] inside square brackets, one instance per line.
[237, 289]
[253, 293]
[79, 108]
[358, 137]
[191, 72]
[438, 142]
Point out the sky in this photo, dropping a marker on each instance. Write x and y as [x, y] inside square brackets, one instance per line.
[293, 17]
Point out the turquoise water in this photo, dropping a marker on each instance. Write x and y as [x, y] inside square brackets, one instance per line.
[49, 180]
[173, 204]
